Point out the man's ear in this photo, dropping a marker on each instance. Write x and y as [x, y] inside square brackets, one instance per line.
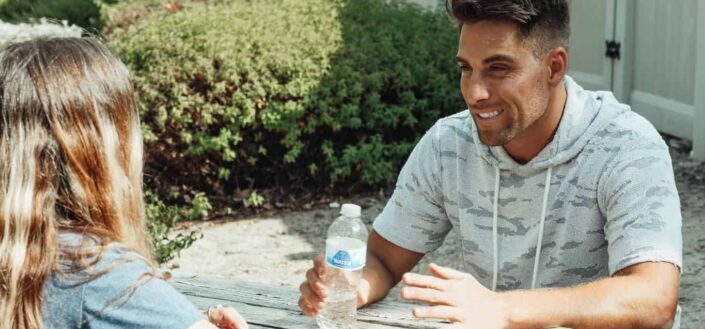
[557, 64]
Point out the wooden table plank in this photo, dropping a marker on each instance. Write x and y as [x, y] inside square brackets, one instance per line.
[267, 306]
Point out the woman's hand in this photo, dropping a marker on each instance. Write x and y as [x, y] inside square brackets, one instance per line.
[226, 318]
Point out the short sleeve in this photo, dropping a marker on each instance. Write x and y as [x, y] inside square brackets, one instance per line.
[642, 208]
[414, 217]
[108, 302]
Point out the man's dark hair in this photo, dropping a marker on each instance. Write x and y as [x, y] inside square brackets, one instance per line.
[545, 23]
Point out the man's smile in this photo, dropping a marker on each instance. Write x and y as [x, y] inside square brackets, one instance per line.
[489, 115]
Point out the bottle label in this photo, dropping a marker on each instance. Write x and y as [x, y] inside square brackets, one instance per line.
[346, 253]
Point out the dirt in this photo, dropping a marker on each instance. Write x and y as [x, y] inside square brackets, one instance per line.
[278, 248]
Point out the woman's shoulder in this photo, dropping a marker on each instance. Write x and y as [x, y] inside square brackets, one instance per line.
[121, 288]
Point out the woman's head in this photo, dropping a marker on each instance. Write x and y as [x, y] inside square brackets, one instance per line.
[70, 160]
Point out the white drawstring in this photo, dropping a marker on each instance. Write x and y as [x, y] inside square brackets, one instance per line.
[494, 230]
[495, 213]
[543, 220]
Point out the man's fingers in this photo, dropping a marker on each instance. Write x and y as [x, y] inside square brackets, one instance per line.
[437, 312]
[305, 307]
[424, 281]
[311, 297]
[316, 284]
[304, 289]
[445, 272]
[319, 265]
[313, 291]
[429, 296]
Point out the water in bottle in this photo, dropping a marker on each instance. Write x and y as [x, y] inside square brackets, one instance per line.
[346, 251]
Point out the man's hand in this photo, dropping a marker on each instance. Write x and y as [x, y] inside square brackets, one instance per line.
[457, 297]
[313, 290]
[386, 262]
[644, 295]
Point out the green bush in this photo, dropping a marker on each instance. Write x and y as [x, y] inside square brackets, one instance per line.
[289, 93]
[84, 13]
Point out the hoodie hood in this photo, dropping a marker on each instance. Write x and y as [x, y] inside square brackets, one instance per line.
[585, 113]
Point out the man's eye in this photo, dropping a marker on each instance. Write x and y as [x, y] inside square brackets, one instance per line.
[498, 68]
[464, 68]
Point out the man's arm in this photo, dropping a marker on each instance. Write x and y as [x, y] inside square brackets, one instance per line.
[386, 264]
[644, 295]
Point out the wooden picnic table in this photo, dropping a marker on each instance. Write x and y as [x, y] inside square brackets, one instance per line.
[270, 306]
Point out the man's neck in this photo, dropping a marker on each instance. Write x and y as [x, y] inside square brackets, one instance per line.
[529, 144]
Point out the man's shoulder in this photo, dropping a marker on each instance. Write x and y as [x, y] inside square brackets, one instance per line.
[458, 120]
[627, 142]
[458, 125]
[629, 131]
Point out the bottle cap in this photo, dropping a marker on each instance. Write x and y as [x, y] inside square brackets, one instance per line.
[350, 210]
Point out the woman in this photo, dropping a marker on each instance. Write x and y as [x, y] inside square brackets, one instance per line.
[73, 247]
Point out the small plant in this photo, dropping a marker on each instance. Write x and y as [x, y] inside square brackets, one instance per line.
[254, 200]
[200, 207]
[162, 218]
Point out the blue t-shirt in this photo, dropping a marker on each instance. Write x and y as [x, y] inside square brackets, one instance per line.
[72, 302]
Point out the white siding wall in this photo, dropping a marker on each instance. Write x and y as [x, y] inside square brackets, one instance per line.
[589, 28]
[699, 122]
[665, 51]
[664, 64]
[589, 42]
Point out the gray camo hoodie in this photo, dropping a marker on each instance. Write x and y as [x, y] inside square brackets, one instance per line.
[598, 198]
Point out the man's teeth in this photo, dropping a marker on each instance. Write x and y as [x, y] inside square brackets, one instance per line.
[489, 115]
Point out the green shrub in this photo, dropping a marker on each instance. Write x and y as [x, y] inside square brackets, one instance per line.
[289, 93]
[84, 13]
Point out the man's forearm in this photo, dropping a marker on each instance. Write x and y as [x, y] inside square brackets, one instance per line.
[375, 283]
[631, 301]
[386, 263]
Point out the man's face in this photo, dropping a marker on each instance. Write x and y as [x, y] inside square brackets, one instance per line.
[504, 85]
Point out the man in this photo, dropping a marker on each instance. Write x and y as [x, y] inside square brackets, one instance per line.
[564, 198]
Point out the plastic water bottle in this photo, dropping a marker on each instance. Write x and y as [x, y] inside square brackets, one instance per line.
[346, 253]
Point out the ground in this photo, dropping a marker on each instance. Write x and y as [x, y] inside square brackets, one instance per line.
[278, 248]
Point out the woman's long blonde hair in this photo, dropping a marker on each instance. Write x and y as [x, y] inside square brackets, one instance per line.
[70, 160]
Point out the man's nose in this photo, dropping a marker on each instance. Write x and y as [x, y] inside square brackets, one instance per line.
[476, 91]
